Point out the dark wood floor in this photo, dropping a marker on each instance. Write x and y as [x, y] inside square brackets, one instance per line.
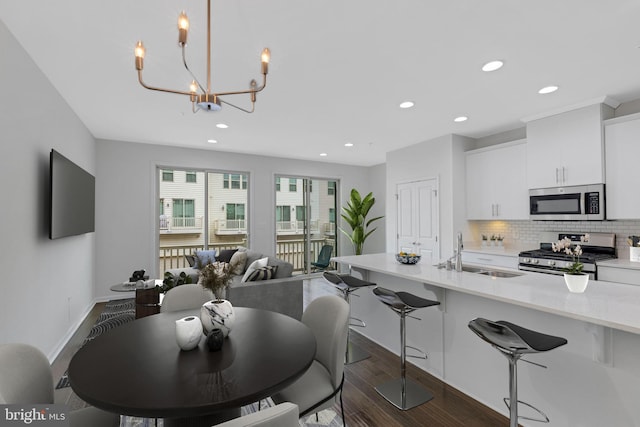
[363, 406]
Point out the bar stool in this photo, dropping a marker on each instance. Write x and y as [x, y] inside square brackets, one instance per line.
[348, 284]
[513, 341]
[402, 393]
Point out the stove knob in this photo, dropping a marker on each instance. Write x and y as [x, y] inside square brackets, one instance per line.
[551, 263]
[535, 261]
[527, 260]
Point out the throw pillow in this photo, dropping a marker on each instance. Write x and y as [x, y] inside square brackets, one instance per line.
[259, 263]
[225, 255]
[264, 273]
[205, 257]
[191, 259]
[238, 262]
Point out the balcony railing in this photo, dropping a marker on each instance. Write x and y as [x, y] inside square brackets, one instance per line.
[296, 227]
[291, 251]
[230, 226]
[180, 224]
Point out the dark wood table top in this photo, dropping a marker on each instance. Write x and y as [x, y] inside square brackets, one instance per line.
[138, 369]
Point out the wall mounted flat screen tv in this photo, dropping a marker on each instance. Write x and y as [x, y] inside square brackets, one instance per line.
[72, 198]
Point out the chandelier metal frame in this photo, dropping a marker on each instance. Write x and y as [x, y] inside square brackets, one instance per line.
[203, 98]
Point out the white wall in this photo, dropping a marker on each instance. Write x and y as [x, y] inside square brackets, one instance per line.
[47, 284]
[127, 196]
[441, 158]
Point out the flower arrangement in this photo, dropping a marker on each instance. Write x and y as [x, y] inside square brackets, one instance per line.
[216, 277]
[564, 245]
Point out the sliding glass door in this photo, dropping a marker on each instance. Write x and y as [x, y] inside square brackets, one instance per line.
[305, 215]
[200, 210]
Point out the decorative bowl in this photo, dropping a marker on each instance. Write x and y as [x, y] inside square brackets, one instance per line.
[405, 258]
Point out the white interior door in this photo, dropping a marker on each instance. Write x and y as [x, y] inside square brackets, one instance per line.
[418, 219]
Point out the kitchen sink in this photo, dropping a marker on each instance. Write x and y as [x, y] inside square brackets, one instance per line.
[495, 273]
[489, 272]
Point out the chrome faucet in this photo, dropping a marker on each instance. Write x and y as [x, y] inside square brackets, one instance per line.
[458, 253]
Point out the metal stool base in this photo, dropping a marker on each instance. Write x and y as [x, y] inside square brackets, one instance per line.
[414, 395]
[355, 354]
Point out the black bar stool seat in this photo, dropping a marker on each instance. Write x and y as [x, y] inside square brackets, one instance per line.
[403, 393]
[348, 284]
[513, 341]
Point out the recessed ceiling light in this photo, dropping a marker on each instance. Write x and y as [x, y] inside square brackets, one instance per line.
[461, 119]
[349, 144]
[212, 141]
[492, 66]
[221, 126]
[548, 89]
[407, 104]
[323, 154]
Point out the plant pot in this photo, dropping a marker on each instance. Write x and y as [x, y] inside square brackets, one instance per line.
[217, 314]
[576, 283]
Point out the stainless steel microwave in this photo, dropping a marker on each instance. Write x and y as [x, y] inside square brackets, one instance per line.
[575, 203]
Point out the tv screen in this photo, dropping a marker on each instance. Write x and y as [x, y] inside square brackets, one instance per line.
[72, 198]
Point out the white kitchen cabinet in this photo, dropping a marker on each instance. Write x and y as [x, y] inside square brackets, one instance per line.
[496, 186]
[622, 148]
[567, 148]
[616, 272]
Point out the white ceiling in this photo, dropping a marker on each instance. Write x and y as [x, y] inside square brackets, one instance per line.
[339, 68]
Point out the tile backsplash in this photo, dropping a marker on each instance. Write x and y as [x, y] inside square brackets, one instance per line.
[523, 233]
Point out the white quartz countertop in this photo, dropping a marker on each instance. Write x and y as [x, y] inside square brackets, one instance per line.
[620, 263]
[603, 303]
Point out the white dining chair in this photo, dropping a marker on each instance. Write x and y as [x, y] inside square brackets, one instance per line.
[283, 415]
[321, 384]
[26, 378]
[184, 297]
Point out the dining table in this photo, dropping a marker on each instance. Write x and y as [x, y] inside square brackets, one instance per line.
[137, 369]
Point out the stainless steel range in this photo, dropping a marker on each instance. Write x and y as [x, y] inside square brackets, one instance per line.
[599, 247]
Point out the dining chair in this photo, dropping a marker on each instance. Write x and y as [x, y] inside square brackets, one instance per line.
[317, 389]
[282, 415]
[26, 378]
[324, 258]
[184, 297]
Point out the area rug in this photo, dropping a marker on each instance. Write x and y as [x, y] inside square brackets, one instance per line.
[115, 313]
[326, 418]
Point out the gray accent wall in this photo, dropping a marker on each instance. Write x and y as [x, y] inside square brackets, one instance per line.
[126, 184]
[47, 285]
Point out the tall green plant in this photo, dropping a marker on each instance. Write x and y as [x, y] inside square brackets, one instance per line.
[355, 214]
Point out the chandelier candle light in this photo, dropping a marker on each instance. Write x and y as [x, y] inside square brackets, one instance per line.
[203, 98]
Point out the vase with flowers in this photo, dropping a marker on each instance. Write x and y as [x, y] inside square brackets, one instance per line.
[217, 313]
[574, 278]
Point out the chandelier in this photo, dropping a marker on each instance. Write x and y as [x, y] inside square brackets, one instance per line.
[202, 98]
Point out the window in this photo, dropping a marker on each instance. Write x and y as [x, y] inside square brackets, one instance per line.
[161, 206]
[332, 215]
[300, 213]
[167, 176]
[235, 211]
[277, 183]
[184, 212]
[283, 213]
[191, 177]
[331, 188]
[293, 185]
[234, 181]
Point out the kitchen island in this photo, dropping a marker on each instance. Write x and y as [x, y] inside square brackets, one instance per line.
[592, 381]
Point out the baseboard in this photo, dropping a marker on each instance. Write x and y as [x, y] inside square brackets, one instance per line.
[53, 355]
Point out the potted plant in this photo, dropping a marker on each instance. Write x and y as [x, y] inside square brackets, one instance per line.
[484, 240]
[355, 214]
[500, 239]
[574, 278]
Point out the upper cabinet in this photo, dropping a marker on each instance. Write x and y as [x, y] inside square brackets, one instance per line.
[567, 148]
[622, 148]
[496, 182]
